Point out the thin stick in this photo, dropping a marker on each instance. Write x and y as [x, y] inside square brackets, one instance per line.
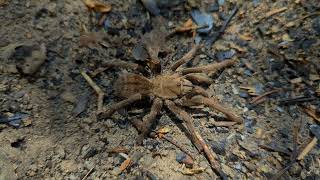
[216, 36]
[90, 171]
[307, 149]
[119, 105]
[186, 58]
[177, 144]
[275, 11]
[208, 68]
[96, 88]
[254, 100]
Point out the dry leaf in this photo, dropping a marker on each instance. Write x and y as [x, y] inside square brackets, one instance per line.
[125, 164]
[97, 6]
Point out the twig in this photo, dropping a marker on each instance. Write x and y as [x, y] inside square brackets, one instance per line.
[224, 123]
[177, 144]
[254, 100]
[296, 100]
[294, 154]
[307, 149]
[96, 88]
[311, 113]
[90, 171]
[217, 35]
[275, 11]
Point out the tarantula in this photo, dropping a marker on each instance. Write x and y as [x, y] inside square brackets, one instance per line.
[173, 87]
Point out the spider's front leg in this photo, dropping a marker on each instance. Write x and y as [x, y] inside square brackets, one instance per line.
[120, 105]
[148, 120]
[208, 68]
[214, 104]
[115, 64]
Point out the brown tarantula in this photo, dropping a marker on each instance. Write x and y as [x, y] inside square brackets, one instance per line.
[173, 87]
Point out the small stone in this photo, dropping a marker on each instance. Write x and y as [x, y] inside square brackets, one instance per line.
[244, 94]
[218, 147]
[184, 159]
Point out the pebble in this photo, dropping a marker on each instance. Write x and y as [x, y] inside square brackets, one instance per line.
[184, 159]
[218, 147]
[244, 94]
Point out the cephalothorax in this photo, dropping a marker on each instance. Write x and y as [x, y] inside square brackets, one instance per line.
[173, 87]
[166, 86]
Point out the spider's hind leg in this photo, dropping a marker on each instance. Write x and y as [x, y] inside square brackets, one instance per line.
[107, 113]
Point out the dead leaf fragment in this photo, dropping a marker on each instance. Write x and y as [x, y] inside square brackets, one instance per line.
[97, 6]
[125, 164]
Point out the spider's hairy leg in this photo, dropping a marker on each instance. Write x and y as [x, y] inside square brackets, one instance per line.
[197, 78]
[196, 137]
[107, 113]
[184, 116]
[149, 119]
[115, 64]
[96, 88]
[214, 104]
[209, 68]
[186, 58]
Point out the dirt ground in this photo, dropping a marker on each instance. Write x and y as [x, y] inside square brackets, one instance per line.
[42, 51]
